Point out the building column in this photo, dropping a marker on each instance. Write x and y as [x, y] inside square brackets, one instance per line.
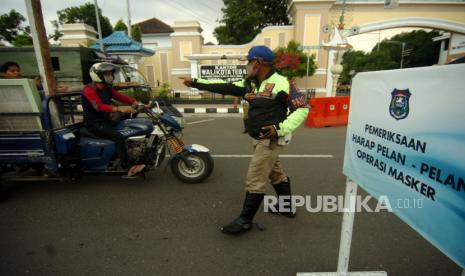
[194, 68]
[135, 61]
[442, 54]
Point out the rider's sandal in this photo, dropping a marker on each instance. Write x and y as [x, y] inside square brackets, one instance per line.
[135, 170]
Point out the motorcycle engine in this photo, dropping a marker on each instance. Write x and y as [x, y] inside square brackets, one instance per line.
[136, 149]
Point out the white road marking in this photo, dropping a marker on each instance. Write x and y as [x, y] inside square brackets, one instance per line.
[198, 122]
[281, 156]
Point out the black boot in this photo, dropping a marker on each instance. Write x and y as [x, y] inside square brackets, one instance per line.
[245, 127]
[284, 189]
[244, 222]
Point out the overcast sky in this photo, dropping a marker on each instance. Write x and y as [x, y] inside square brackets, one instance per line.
[168, 11]
[206, 12]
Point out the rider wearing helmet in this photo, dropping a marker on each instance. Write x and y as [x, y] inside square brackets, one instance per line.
[97, 104]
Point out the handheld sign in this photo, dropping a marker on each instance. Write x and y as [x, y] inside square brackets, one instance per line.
[406, 141]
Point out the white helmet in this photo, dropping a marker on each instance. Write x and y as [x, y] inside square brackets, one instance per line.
[97, 70]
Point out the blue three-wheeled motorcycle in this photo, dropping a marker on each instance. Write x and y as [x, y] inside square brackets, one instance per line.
[47, 139]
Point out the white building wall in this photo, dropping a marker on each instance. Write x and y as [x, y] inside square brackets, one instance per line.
[156, 41]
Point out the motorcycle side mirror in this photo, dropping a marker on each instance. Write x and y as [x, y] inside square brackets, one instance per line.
[157, 105]
[156, 108]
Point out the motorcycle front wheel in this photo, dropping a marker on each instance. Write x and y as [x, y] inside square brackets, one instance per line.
[201, 166]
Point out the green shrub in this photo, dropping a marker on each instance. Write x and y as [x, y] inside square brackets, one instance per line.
[164, 91]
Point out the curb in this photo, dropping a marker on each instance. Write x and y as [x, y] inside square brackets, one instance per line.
[210, 110]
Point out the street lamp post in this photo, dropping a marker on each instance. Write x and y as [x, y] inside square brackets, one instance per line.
[403, 53]
[308, 69]
[308, 48]
[99, 28]
[129, 19]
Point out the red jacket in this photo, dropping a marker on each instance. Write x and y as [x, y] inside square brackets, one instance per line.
[96, 103]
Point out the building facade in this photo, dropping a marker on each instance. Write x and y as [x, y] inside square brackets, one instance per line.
[180, 48]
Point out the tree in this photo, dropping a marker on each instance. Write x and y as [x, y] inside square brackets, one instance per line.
[274, 12]
[352, 62]
[380, 60]
[136, 33]
[244, 19]
[423, 52]
[291, 62]
[56, 33]
[22, 40]
[120, 26]
[12, 29]
[82, 14]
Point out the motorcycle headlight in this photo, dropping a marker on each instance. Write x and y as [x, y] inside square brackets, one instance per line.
[180, 120]
[178, 134]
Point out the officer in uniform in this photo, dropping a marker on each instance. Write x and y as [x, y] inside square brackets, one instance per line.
[269, 123]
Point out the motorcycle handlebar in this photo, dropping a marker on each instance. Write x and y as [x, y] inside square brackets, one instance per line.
[149, 108]
[141, 107]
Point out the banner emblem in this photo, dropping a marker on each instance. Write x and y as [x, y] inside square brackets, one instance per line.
[399, 106]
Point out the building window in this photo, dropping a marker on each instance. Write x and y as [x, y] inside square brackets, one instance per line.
[185, 49]
[282, 39]
[312, 32]
[56, 63]
[268, 42]
[150, 73]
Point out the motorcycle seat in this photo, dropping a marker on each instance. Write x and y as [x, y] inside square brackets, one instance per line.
[84, 132]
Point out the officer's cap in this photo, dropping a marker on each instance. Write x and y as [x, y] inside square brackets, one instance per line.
[260, 52]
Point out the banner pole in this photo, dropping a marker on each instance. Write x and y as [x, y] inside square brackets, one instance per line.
[347, 228]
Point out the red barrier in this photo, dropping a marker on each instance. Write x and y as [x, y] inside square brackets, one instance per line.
[330, 111]
[344, 103]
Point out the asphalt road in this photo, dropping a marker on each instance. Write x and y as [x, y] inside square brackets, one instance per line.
[104, 225]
